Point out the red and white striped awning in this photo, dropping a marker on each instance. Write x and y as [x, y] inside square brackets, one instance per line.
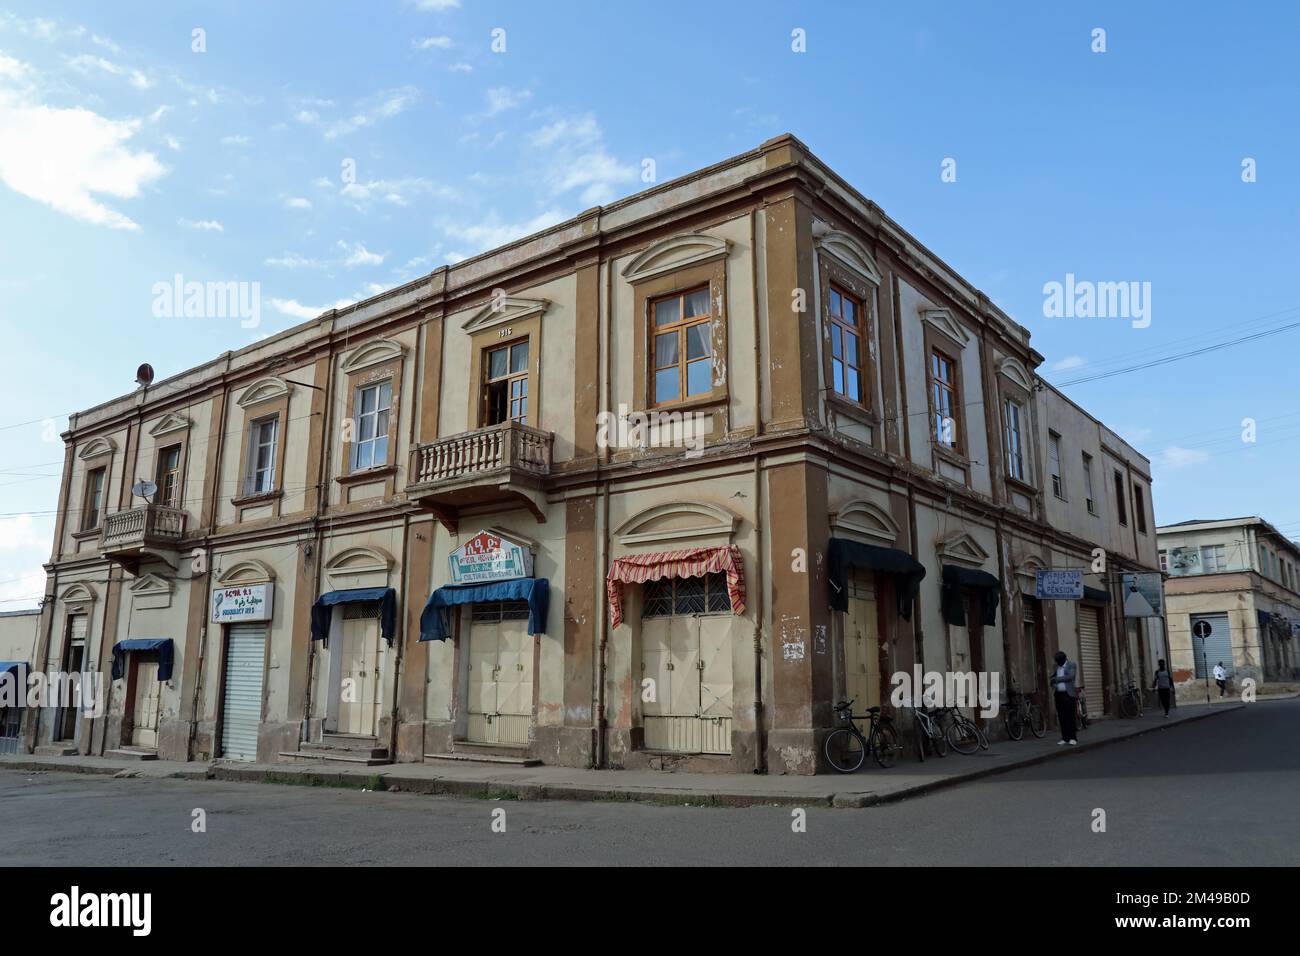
[688, 563]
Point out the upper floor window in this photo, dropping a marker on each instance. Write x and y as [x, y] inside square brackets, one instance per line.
[846, 321]
[94, 504]
[683, 346]
[1263, 562]
[1054, 464]
[1139, 509]
[505, 384]
[1013, 415]
[374, 404]
[1121, 506]
[1214, 557]
[943, 398]
[1164, 561]
[263, 436]
[1090, 498]
[169, 476]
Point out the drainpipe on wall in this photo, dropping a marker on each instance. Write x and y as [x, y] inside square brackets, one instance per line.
[600, 752]
[760, 737]
[203, 653]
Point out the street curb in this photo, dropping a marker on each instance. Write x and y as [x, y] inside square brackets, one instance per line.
[395, 780]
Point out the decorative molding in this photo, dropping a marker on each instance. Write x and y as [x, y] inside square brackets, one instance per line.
[78, 593]
[1014, 370]
[963, 549]
[263, 390]
[865, 519]
[1026, 573]
[151, 592]
[673, 253]
[514, 536]
[374, 353]
[359, 567]
[942, 320]
[248, 571]
[96, 448]
[170, 423]
[848, 250]
[510, 309]
[678, 521]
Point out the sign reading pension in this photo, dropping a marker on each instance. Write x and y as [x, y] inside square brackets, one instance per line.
[489, 557]
[1058, 585]
[252, 602]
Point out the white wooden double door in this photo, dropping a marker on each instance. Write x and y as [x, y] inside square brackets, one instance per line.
[500, 674]
[686, 683]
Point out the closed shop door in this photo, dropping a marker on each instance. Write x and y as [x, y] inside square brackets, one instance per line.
[144, 732]
[68, 727]
[11, 720]
[686, 652]
[359, 691]
[241, 709]
[862, 646]
[1214, 648]
[1090, 658]
[500, 705]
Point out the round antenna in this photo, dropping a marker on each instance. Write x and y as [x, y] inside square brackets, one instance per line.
[144, 489]
[144, 375]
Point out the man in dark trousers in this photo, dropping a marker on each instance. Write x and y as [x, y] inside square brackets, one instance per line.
[1063, 682]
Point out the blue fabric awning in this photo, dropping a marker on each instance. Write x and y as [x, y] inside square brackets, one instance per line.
[322, 610]
[13, 690]
[163, 645]
[434, 625]
[7, 666]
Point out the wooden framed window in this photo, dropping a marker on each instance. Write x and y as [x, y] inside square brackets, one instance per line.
[681, 350]
[847, 328]
[169, 476]
[263, 437]
[1054, 464]
[944, 400]
[505, 384]
[1013, 415]
[1090, 498]
[1121, 505]
[373, 405]
[93, 508]
[1139, 509]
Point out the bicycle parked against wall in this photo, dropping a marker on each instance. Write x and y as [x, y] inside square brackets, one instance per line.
[963, 734]
[1023, 711]
[847, 747]
[1130, 704]
[929, 733]
[1081, 710]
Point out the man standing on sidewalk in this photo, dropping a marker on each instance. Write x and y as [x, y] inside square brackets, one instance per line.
[1066, 692]
[1220, 677]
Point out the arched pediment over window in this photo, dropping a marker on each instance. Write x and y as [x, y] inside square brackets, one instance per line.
[848, 250]
[97, 447]
[510, 308]
[942, 320]
[359, 567]
[168, 424]
[678, 521]
[1014, 370]
[264, 389]
[866, 520]
[248, 571]
[78, 594]
[962, 549]
[674, 253]
[1027, 573]
[373, 353]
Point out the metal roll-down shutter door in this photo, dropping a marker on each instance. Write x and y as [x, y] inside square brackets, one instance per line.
[242, 708]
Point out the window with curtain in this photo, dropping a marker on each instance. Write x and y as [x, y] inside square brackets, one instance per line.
[373, 406]
[1012, 417]
[682, 351]
[169, 476]
[847, 330]
[1054, 464]
[94, 498]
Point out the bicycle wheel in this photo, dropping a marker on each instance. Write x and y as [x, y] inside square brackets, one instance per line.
[1083, 716]
[919, 733]
[1128, 705]
[1037, 722]
[963, 736]
[984, 737]
[845, 750]
[885, 747]
[1014, 722]
[938, 742]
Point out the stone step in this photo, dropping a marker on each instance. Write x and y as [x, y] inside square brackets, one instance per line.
[349, 741]
[56, 750]
[132, 753]
[348, 751]
[351, 757]
[463, 758]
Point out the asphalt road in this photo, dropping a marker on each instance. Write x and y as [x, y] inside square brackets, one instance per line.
[1218, 791]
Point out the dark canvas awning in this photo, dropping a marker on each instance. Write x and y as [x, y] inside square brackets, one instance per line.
[955, 579]
[7, 666]
[323, 610]
[163, 645]
[845, 554]
[1096, 594]
[13, 690]
[434, 625]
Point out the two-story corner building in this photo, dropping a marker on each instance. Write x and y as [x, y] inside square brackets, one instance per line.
[1232, 595]
[654, 487]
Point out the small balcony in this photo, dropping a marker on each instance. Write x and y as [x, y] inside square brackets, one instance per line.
[128, 537]
[501, 465]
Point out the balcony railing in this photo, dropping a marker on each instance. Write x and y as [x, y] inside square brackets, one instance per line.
[147, 525]
[508, 448]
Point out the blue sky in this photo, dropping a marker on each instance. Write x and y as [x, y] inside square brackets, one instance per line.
[126, 158]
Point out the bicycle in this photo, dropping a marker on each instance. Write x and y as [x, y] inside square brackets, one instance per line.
[963, 734]
[928, 733]
[1023, 711]
[1130, 704]
[1081, 711]
[846, 747]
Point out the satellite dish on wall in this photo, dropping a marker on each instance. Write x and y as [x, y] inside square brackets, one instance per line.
[144, 375]
[144, 489]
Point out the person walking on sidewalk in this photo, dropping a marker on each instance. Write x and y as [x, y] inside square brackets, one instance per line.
[1064, 684]
[1164, 685]
[1220, 677]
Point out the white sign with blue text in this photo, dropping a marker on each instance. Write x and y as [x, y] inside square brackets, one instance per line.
[252, 602]
[1059, 585]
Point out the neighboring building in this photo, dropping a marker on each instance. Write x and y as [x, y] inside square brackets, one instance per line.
[17, 643]
[849, 414]
[1237, 579]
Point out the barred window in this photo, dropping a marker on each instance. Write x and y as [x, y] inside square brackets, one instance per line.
[492, 612]
[669, 596]
[368, 611]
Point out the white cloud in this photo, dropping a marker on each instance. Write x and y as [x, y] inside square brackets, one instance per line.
[291, 260]
[239, 140]
[159, 113]
[490, 233]
[384, 106]
[573, 155]
[172, 142]
[297, 202]
[359, 255]
[1069, 362]
[502, 98]
[24, 546]
[203, 225]
[12, 69]
[430, 43]
[295, 309]
[87, 63]
[461, 68]
[1176, 457]
[63, 157]
[1134, 434]
[398, 192]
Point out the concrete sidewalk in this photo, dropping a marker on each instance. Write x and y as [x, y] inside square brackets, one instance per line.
[867, 787]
